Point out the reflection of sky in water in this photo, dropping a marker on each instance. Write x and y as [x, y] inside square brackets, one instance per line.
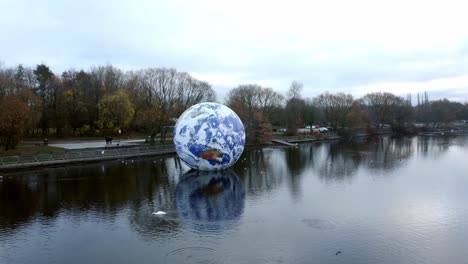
[209, 199]
[381, 200]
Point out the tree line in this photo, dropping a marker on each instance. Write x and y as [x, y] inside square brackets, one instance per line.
[262, 109]
[103, 100]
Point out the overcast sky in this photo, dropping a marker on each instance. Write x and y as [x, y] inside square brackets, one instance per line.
[398, 46]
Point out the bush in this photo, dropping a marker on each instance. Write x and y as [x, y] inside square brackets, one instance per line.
[85, 130]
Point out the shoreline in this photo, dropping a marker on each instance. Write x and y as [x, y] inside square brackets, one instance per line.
[82, 157]
[107, 154]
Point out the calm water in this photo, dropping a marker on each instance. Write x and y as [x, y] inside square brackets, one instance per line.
[374, 201]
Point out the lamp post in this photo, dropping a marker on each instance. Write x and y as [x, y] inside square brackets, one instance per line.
[120, 133]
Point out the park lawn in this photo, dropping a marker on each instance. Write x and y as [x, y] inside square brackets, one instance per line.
[29, 149]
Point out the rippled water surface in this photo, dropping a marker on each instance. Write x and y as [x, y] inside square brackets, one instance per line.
[388, 200]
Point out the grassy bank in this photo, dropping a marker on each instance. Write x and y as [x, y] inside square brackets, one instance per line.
[30, 149]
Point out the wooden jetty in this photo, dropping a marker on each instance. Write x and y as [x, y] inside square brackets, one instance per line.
[282, 142]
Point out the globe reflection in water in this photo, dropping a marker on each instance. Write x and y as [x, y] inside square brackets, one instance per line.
[210, 199]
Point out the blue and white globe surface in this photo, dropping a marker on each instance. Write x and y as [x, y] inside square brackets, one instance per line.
[209, 136]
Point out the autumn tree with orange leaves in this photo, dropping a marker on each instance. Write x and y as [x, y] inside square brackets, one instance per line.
[13, 120]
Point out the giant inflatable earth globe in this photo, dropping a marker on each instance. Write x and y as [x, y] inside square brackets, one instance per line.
[209, 136]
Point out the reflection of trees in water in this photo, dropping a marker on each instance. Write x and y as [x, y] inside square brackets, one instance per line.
[461, 141]
[344, 158]
[388, 153]
[298, 160]
[261, 170]
[145, 186]
[99, 189]
[339, 161]
[156, 192]
[18, 203]
[435, 146]
[335, 161]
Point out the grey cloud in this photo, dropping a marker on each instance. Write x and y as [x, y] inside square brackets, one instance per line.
[143, 34]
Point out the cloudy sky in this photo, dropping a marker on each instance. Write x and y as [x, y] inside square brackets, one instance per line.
[399, 46]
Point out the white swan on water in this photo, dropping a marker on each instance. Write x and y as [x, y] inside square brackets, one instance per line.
[159, 213]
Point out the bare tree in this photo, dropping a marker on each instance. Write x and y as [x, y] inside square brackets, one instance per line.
[165, 94]
[381, 106]
[253, 98]
[191, 91]
[335, 107]
[7, 82]
[444, 111]
[295, 108]
[295, 90]
[249, 100]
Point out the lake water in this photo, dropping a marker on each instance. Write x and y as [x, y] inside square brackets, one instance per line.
[388, 200]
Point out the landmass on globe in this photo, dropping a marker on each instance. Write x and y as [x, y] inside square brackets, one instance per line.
[212, 155]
